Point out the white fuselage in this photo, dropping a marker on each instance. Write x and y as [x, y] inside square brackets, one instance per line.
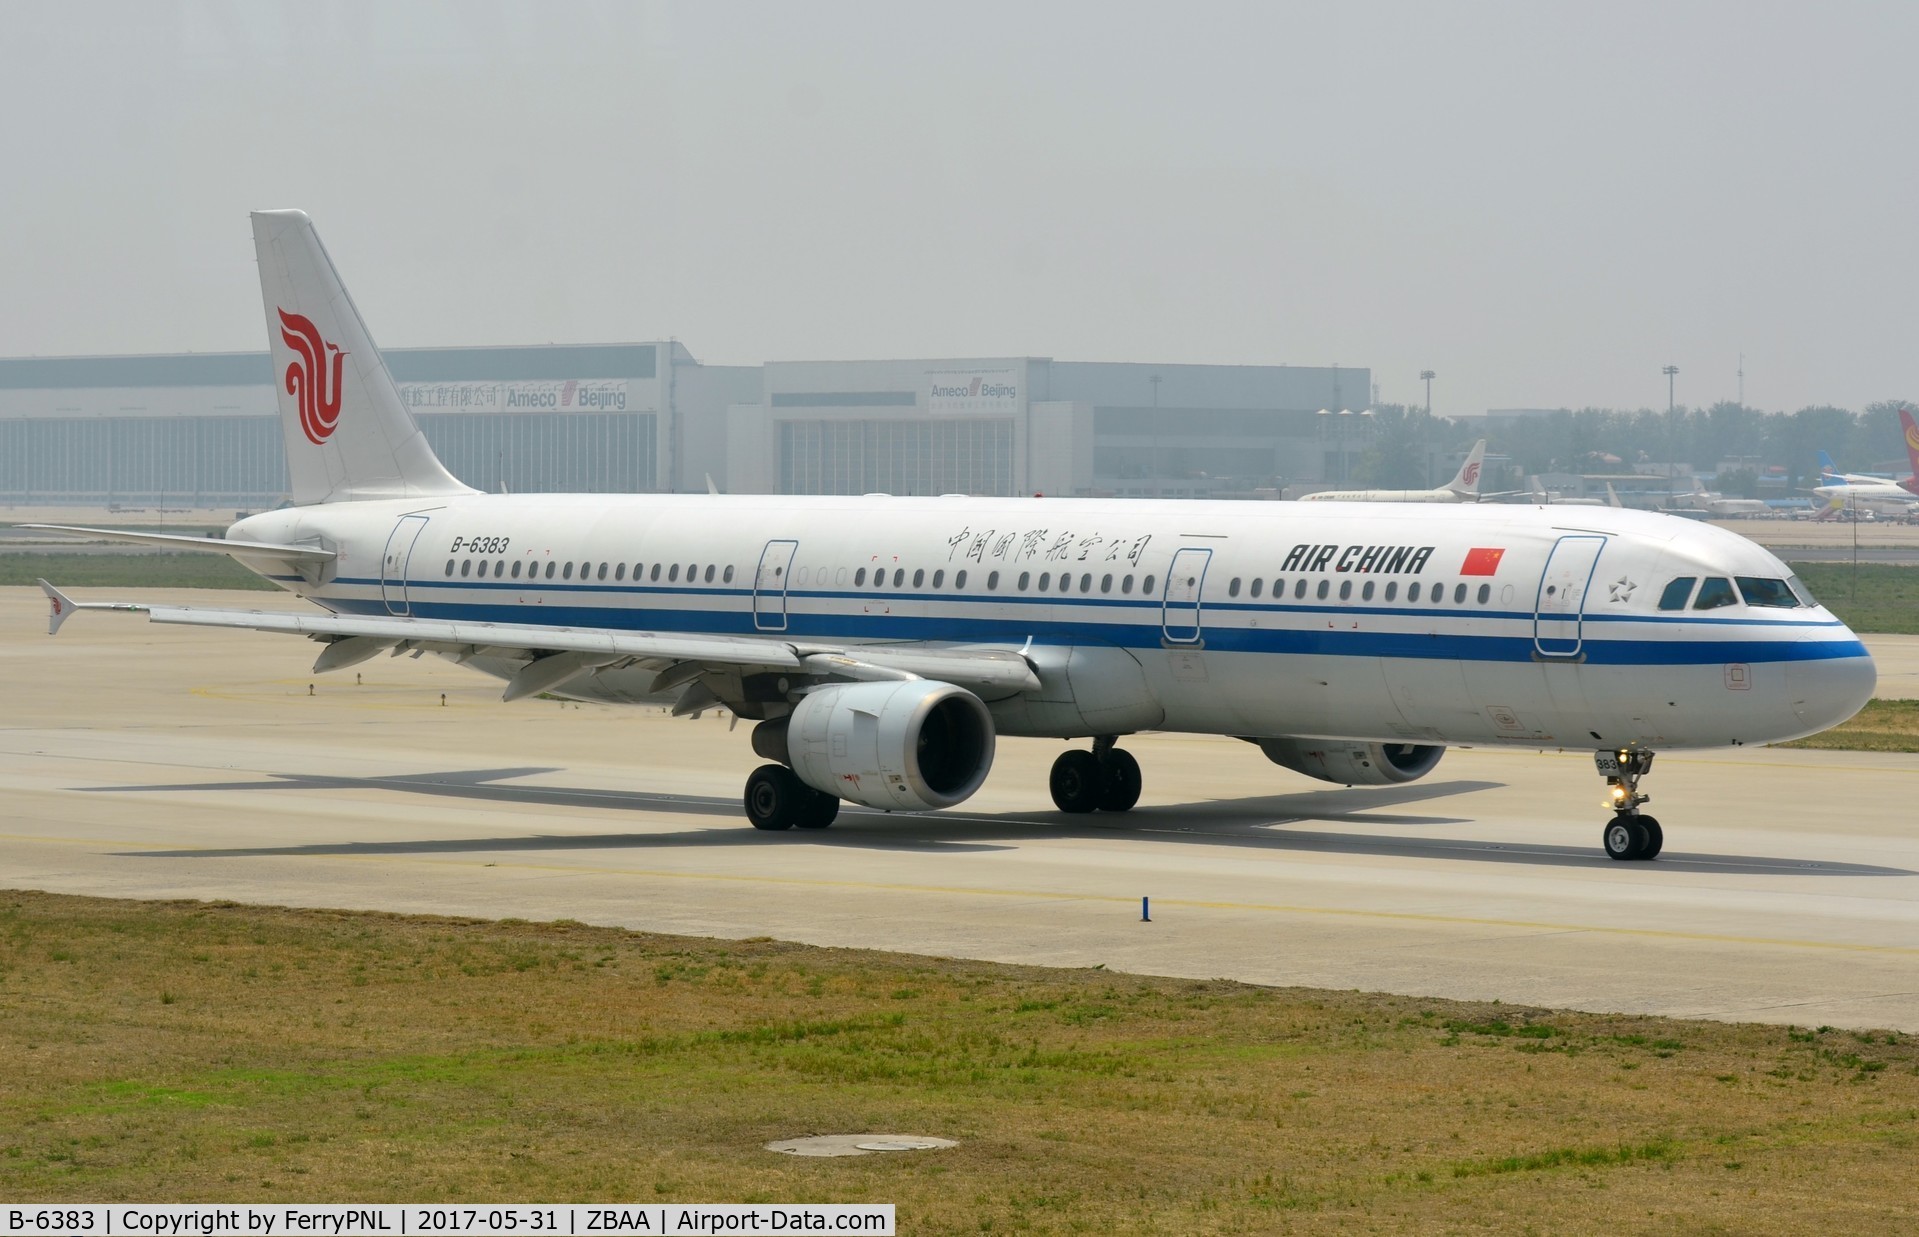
[1471, 624]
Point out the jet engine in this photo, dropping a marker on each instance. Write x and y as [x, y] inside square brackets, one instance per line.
[905, 746]
[1353, 764]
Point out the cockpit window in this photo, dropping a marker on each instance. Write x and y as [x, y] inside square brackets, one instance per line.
[1715, 592]
[1762, 592]
[1674, 598]
[1800, 591]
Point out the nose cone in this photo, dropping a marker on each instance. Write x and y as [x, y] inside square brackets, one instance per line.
[1825, 691]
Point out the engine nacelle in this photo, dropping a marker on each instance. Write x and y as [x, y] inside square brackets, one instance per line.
[1353, 764]
[905, 746]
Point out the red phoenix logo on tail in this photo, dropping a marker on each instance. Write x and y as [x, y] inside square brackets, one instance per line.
[307, 379]
[1470, 474]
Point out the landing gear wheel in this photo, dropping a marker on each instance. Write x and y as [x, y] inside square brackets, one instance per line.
[1626, 837]
[1077, 781]
[775, 797]
[1119, 790]
[819, 811]
[1655, 837]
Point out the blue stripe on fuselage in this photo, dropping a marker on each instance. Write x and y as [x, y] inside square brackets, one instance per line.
[1331, 642]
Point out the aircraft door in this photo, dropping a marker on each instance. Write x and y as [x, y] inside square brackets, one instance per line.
[393, 566]
[1559, 609]
[769, 585]
[1179, 613]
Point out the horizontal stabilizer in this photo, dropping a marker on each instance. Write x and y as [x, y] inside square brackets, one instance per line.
[175, 541]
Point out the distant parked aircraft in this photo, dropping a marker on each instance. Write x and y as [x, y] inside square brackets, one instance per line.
[1463, 488]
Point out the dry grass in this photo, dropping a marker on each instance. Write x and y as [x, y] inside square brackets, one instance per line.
[1882, 726]
[213, 1052]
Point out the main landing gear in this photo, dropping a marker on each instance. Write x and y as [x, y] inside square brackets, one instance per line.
[1105, 779]
[776, 799]
[1629, 834]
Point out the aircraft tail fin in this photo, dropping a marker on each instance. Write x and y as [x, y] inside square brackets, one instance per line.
[348, 434]
[1466, 484]
[1612, 496]
[1826, 467]
[1912, 447]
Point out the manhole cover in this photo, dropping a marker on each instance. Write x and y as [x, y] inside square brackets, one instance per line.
[857, 1144]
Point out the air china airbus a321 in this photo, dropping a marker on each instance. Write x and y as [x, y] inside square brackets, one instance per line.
[881, 643]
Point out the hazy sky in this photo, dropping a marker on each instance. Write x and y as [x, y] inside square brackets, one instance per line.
[1546, 203]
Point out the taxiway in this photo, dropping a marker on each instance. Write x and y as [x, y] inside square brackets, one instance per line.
[145, 762]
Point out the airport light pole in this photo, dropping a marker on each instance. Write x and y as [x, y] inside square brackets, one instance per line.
[1672, 432]
[1426, 376]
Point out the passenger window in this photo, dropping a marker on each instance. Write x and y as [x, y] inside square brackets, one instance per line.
[655, 574]
[1485, 593]
[839, 577]
[550, 565]
[1716, 591]
[1045, 578]
[1299, 590]
[1255, 586]
[1459, 594]
[693, 572]
[1126, 585]
[568, 573]
[1325, 587]
[899, 577]
[673, 573]
[859, 578]
[939, 577]
[1024, 576]
[727, 575]
[1345, 590]
[709, 573]
[959, 579]
[499, 569]
[1439, 594]
[466, 567]
[1763, 592]
[516, 568]
[602, 572]
[619, 572]
[584, 569]
[992, 581]
[800, 577]
[1392, 589]
[1232, 590]
[449, 567]
[1086, 582]
[1412, 591]
[1366, 591]
[1106, 584]
[919, 576]
[639, 569]
[1147, 585]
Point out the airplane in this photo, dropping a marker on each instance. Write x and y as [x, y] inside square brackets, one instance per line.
[883, 644]
[1463, 488]
[1719, 507]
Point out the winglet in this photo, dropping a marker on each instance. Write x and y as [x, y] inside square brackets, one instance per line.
[60, 607]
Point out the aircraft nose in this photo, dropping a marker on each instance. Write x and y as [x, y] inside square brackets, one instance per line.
[1826, 691]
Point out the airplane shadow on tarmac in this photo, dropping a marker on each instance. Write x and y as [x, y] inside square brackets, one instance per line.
[1266, 822]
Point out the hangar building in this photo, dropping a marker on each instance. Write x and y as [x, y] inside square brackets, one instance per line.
[201, 430]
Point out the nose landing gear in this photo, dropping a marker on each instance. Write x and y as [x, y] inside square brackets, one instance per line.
[1629, 834]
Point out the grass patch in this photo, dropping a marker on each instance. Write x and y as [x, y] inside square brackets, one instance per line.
[197, 1052]
[1882, 726]
[1882, 600]
[130, 571]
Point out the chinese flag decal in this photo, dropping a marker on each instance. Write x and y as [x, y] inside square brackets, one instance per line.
[1481, 562]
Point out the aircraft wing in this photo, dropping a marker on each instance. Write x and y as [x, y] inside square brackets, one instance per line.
[553, 655]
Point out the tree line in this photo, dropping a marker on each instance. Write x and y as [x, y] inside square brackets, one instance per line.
[1405, 441]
